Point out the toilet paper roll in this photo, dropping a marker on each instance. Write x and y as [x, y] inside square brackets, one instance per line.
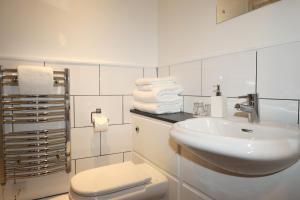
[100, 122]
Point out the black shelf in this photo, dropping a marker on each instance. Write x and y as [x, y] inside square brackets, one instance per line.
[172, 118]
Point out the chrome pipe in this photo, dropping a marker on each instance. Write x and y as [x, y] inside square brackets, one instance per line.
[35, 114]
[36, 144]
[2, 162]
[14, 83]
[17, 96]
[33, 102]
[34, 168]
[36, 138]
[36, 161]
[67, 121]
[35, 174]
[4, 71]
[29, 121]
[37, 132]
[32, 151]
[20, 158]
[34, 108]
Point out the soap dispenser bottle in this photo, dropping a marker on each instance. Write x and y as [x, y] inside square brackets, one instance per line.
[218, 103]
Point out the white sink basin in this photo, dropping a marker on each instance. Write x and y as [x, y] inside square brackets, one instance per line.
[240, 147]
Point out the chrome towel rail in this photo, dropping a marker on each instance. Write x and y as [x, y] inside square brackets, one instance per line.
[36, 132]
[33, 102]
[35, 173]
[35, 114]
[35, 120]
[14, 96]
[23, 108]
[40, 151]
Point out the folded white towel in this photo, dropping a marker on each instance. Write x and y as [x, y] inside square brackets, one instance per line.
[149, 81]
[158, 94]
[35, 80]
[156, 85]
[157, 108]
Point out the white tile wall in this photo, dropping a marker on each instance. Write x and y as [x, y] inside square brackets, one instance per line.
[127, 105]
[235, 73]
[93, 162]
[279, 111]
[116, 139]
[189, 76]
[164, 71]
[127, 156]
[275, 69]
[72, 111]
[278, 72]
[118, 80]
[84, 79]
[150, 73]
[84, 143]
[110, 106]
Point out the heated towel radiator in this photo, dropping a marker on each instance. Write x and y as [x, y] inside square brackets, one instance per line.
[34, 129]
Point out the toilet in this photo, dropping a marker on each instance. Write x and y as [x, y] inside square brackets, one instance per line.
[124, 181]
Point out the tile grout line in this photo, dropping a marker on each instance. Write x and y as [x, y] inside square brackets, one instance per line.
[109, 154]
[100, 138]
[143, 72]
[74, 111]
[298, 112]
[102, 95]
[109, 125]
[123, 110]
[256, 64]
[201, 76]
[183, 103]
[99, 79]
[275, 99]
[55, 195]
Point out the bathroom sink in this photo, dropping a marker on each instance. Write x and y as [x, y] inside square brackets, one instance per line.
[240, 147]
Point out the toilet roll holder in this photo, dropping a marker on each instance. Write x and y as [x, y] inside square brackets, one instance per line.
[98, 111]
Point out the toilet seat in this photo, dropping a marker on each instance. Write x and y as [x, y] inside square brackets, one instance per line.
[120, 181]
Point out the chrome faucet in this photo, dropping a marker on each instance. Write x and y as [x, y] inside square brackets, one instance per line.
[250, 106]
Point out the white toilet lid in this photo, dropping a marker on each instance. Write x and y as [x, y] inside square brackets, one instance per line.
[108, 179]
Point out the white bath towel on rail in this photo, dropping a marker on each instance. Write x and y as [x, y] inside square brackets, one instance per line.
[157, 108]
[35, 80]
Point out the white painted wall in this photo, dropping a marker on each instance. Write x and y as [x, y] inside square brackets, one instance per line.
[93, 31]
[188, 29]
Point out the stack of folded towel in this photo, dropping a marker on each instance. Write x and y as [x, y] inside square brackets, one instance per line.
[157, 95]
